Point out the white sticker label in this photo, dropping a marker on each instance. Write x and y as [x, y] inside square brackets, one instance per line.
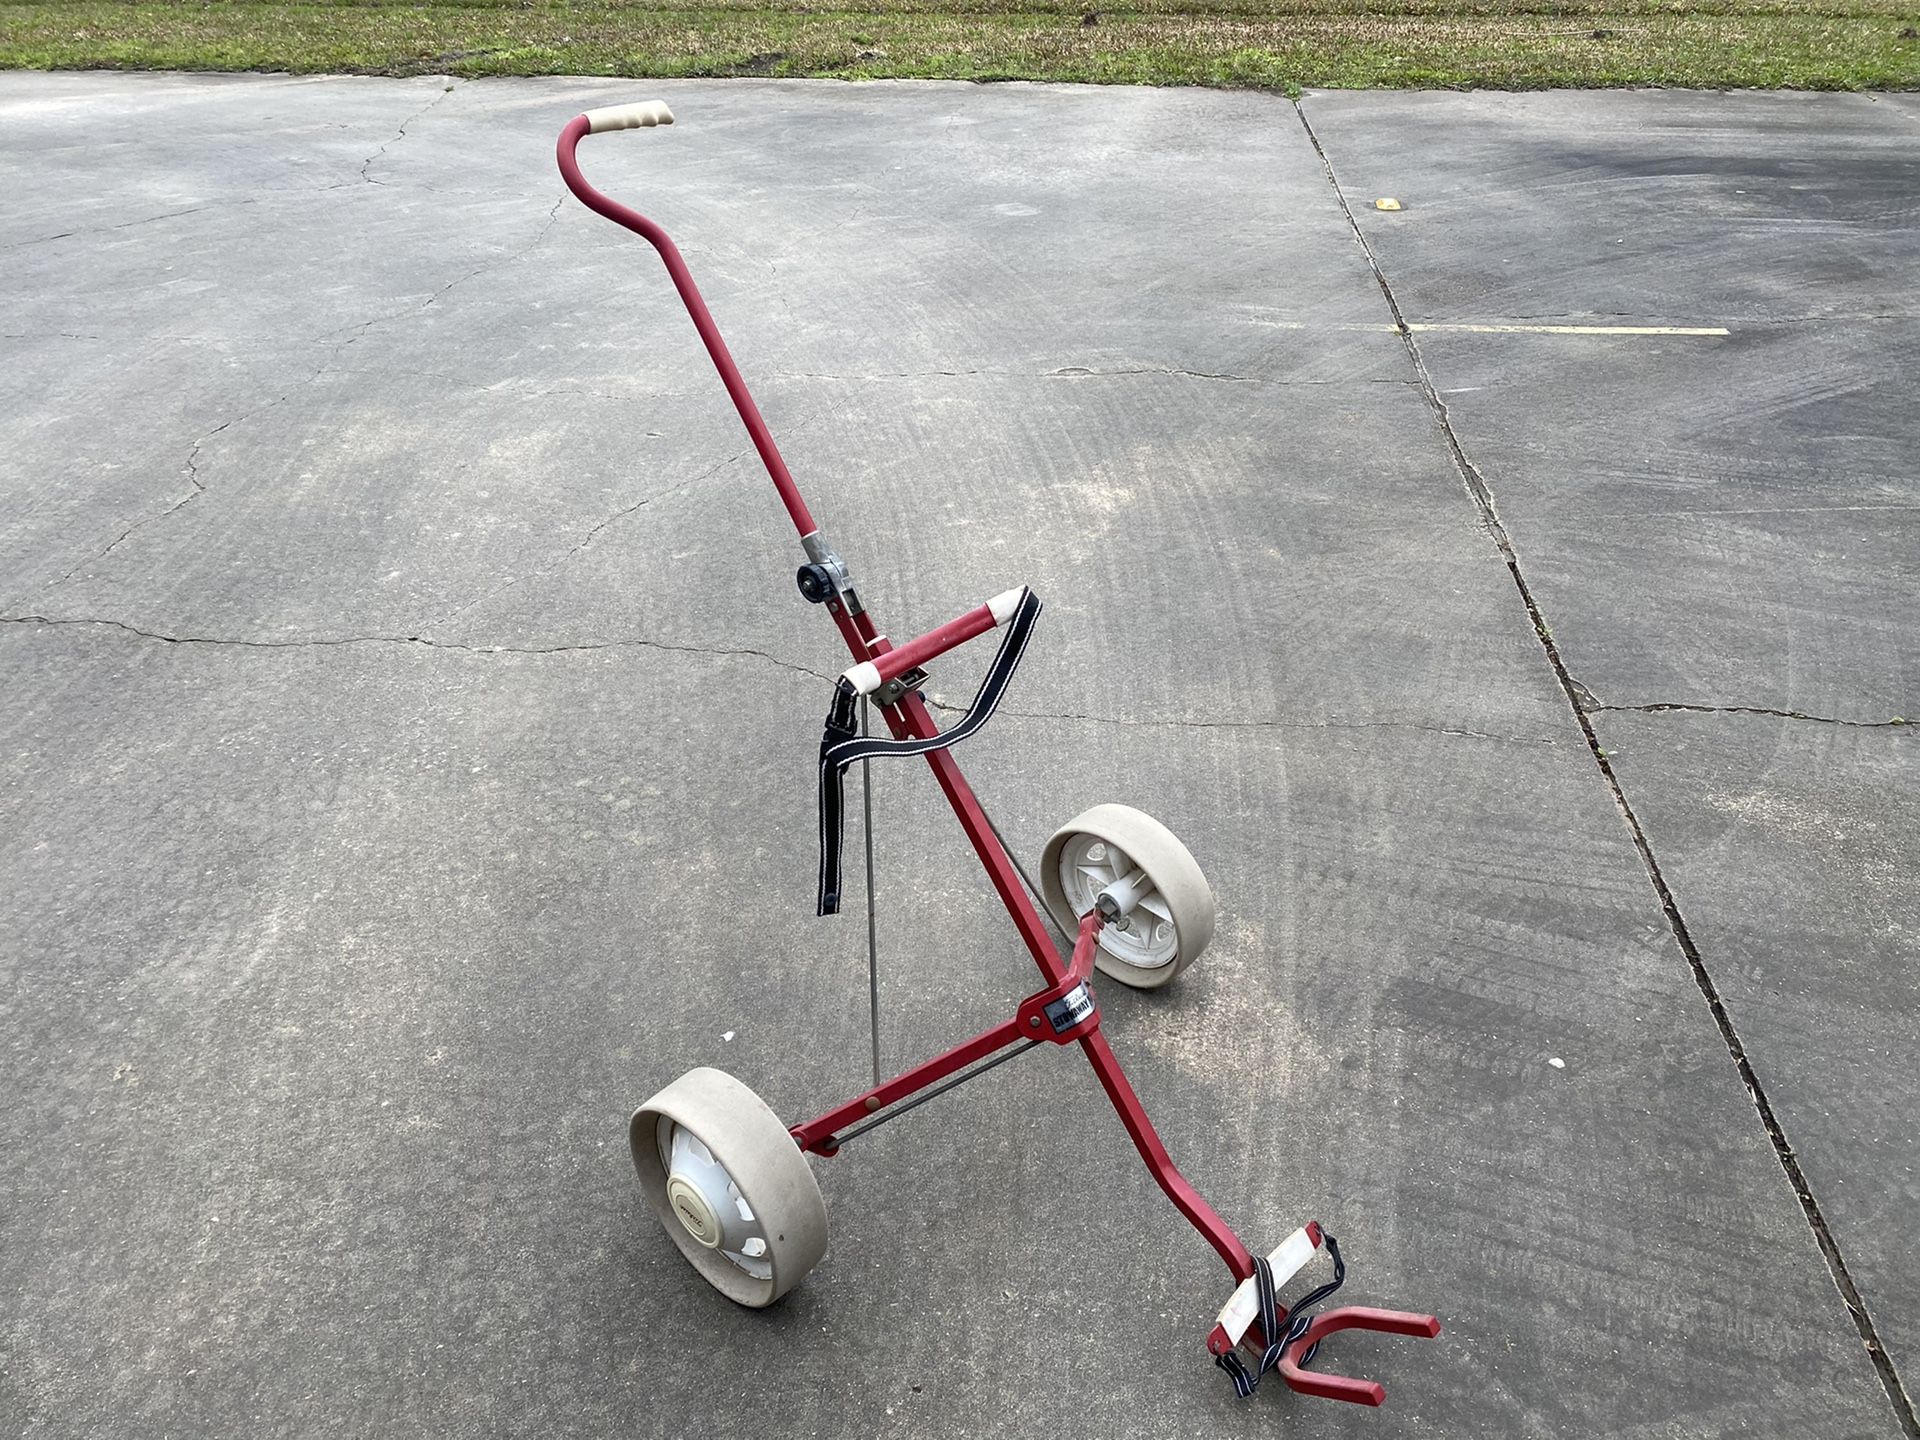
[1070, 1009]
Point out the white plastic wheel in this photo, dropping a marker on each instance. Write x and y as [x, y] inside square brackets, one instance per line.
[729, 1185]
[1173, 921]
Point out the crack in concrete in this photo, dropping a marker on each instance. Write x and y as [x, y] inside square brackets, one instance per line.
[593, 533]
[1083, 372]
[621, 514]
[1571, 315]
[1660, 707]
[1701, 514]
[553, 218]
[324, 642]
[780, 294]
[360, 328]
[884, 374]
[1150, 722]
[1783, 1149]
[513, 387]
[326, 367]
[1784, 320]
[586, 540]
[130, 224]
[366, 165]
[190, 467]
[1636, 318]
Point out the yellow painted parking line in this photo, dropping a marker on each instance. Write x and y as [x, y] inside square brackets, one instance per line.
[1425, 327]
[1577, 329]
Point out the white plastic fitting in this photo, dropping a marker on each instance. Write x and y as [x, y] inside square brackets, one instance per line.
[1005, 603]
[1124, 894]
[864, 677]
[639, 116]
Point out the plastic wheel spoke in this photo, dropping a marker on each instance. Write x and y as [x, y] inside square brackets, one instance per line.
[696, 1163]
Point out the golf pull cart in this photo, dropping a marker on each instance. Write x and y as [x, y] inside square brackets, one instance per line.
[730, 1181]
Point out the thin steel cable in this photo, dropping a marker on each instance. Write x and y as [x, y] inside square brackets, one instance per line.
[873, 933]
[914, 1102]
[1039, 900]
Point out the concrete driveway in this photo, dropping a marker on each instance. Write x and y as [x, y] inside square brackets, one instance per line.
[408, 730]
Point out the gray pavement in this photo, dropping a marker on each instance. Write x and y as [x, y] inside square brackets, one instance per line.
[408, 729]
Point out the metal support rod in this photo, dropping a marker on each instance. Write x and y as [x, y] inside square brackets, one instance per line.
[873, 932]
[1027, 880]
[932, 1090]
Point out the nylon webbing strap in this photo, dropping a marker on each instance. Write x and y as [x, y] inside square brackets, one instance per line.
[1246, 1381]
[842, 744]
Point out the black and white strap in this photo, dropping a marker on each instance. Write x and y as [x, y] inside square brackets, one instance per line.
[1246, 1381]
[842, 744]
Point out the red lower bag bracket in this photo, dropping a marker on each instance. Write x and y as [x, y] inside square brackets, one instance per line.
[1284, 1338]
[1348, 1317]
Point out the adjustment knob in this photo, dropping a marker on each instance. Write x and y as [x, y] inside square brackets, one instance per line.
[816, 583]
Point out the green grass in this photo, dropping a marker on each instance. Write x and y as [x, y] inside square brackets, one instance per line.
[1271, 44]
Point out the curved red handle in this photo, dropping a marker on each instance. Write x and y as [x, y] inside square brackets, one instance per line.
[633, 220]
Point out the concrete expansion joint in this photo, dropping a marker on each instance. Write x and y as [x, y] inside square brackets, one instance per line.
[426, 642]
[1662, 707]
[1482, 496]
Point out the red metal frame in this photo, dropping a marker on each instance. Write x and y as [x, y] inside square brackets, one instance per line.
[909, 718]
[1348, 1317]
[1029, 1022]
[936, 642]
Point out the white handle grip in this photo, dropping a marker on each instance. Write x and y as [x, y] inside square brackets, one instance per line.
[643, 115]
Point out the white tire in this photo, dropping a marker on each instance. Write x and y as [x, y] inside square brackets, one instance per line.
[729, 1185]
[1174, 920]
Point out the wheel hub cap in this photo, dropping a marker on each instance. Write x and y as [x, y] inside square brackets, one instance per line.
[696, 1214]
